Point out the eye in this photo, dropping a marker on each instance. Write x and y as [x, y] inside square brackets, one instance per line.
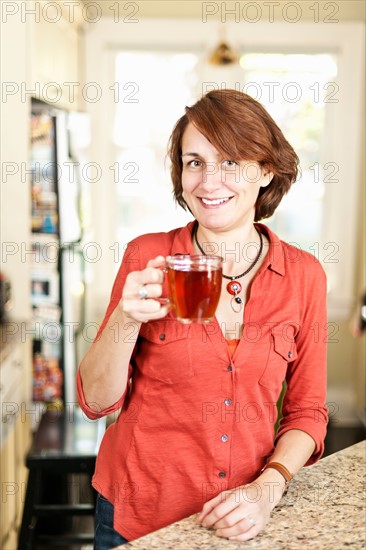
[229, 163]
[195, 163]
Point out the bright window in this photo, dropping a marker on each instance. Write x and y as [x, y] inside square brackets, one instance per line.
[156, 88]
[296, 89]
[160, 63]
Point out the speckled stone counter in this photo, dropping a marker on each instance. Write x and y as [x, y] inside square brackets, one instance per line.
[323, 509]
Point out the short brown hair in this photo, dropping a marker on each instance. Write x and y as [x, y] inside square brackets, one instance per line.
[240, 128]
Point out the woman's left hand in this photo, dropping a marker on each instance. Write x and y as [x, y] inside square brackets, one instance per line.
[240, 514]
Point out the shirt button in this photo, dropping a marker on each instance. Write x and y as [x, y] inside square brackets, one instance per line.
[289, 355]
[227, 402]
[230, 368]
[162, 336]
[222, 474]
[224, 438]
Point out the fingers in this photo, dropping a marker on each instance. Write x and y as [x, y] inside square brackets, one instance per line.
[250, 534]
[142, 291]
[216, 508]
[149, 275]
[232, 518]
[239, 527]
[208, 507]
[235, 524]
[157, 262]
[144, 310]
[150, 290]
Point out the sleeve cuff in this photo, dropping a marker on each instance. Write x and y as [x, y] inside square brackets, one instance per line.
[316, 433]
[92, 410]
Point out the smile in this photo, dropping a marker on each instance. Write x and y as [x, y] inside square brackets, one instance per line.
[214, 202]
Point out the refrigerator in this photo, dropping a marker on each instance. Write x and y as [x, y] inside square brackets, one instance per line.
[59, 142]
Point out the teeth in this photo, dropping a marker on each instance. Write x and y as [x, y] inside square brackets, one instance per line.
[214, 201]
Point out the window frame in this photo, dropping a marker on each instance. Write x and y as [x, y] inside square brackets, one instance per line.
[346, 40]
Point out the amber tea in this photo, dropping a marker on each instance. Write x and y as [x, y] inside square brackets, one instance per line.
[194, 284]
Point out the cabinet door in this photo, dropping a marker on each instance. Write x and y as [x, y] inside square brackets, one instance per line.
[4, 527]
[54, 57]
[11, 542]
[15, 438]
[22, 444]
[8, 487]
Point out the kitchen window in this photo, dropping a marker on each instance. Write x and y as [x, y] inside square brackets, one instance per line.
[298, 90]
[308, 77]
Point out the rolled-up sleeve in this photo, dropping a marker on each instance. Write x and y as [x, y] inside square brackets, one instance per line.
[93, 411]
[304, 404]
[130, 262]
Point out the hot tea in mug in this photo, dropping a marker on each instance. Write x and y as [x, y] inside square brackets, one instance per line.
[194, 284]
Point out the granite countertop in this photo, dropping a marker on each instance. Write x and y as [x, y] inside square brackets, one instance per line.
[323, 509]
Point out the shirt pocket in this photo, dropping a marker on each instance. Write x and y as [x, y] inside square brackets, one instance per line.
[165, 350]
[282, 350]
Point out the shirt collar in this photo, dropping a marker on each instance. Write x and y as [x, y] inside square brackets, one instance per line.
[276, 256]
[182, 242]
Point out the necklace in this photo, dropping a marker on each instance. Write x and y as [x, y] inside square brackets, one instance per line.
[234, 287]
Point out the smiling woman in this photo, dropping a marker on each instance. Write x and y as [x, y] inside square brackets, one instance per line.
[209, 391]
[220, 193]
[228, 143]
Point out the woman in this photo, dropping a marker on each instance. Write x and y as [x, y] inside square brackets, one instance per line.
[196, 430]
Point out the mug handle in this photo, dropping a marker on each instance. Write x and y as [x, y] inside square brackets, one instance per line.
[164, 301]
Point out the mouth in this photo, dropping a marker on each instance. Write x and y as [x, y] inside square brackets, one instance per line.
[214, 203]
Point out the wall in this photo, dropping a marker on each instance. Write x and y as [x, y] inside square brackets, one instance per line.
[260, 10]
[360, 284]
[347, 357]
[15, 189]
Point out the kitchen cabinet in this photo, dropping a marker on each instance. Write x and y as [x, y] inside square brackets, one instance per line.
[39, 52]
[15, 434]
[55, 38]
[7, 510]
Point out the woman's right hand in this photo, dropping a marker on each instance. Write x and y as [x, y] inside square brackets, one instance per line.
[151, 279]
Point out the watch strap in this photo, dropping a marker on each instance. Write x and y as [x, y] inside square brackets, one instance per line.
[280, 468]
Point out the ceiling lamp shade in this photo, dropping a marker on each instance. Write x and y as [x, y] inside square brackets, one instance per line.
[223, 55]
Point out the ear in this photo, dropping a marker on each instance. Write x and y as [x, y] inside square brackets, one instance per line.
[267, 177]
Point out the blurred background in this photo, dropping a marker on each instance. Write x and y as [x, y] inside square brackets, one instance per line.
[94, 89]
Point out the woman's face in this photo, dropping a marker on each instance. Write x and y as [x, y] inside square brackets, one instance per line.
[220, 192]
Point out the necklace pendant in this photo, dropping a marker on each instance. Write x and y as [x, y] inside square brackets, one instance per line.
[236, 304]
[233, 288]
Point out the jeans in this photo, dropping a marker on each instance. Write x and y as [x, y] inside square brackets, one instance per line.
[105, 536]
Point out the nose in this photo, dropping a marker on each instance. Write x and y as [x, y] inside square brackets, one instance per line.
[212, 175]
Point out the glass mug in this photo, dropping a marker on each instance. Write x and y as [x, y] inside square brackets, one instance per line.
[194, 285]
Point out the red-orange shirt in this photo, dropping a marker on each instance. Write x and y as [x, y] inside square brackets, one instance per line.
[232, 344]
[196, 421]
